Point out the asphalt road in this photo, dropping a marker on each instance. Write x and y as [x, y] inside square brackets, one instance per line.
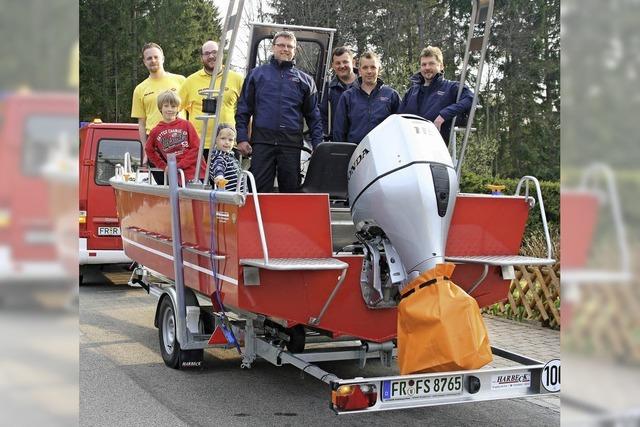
[123, 380]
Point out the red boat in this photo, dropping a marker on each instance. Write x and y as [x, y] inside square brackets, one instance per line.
[298, 230]
[269, 271]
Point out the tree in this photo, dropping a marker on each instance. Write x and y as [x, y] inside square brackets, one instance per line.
[38, 39]
[112, 33]
[519, 124]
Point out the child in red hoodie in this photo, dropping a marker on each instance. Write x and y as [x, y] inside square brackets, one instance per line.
[174, 135]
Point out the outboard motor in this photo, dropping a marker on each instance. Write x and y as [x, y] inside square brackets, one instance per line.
[402, 188]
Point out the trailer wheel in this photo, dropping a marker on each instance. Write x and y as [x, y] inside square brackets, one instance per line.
[297, 337]
[173, 356]
[169, 346]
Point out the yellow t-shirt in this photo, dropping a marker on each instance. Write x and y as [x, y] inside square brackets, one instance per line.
[192, 101]
[145, 95]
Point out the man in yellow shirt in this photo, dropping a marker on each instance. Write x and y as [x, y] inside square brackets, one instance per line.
[201, 79]
[144, 106]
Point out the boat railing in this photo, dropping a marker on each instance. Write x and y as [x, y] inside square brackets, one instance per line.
[526, 180]
[246, 175]
[180, 174]
[598, 180]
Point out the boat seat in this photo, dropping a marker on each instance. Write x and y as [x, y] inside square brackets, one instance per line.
[295, 263]
[500, 260]
[251, 267]
[327, 171]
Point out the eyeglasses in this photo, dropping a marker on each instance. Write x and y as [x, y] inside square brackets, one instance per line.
[211, 53]
[285, 46]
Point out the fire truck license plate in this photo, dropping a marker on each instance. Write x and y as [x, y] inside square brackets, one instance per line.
[421, 387]
[108, 231]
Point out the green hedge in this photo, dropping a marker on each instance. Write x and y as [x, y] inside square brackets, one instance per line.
[628, 186]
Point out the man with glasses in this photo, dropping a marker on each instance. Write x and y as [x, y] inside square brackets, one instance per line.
[201, 79]
[278, 96]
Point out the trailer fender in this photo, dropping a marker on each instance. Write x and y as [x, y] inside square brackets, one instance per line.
[170, 292]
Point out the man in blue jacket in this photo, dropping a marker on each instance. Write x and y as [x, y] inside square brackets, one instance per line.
[432, 96]
[365, 106]
[278, 96]
[345, 77]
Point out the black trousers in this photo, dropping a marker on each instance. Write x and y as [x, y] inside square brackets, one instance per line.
[269, 161]
[158, 176]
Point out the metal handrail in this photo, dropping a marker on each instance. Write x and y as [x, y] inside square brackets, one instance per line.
[198, 194]
[588, 183]
[180, 171]
[527, 179]
[127, 163]
[254, 193]
[147, 169]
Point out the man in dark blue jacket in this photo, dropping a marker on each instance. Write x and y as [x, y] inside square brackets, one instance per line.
[345, 77]
[278, 96]
[365, 106]
[432, 96]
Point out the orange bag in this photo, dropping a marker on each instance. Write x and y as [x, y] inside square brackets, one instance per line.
[440, 327]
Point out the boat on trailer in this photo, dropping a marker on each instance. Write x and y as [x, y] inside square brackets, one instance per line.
[268, 273]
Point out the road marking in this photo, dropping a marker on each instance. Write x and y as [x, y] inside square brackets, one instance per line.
[130, 354]
[19, 374]
[94, 334]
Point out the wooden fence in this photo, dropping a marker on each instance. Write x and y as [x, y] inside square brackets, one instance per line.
[534, 295]
[605, 321]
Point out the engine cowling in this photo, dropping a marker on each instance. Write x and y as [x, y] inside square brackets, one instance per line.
[402, 188]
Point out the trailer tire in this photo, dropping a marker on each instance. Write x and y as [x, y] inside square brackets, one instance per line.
[172, 355]
[297, 338]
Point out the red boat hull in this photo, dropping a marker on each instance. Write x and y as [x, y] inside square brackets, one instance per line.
[299, 226]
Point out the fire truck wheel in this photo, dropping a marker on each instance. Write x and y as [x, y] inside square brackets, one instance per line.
[297, 337]
[169, 345]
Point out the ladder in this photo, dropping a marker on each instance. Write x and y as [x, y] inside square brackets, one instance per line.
[477, 41]
[211, 109]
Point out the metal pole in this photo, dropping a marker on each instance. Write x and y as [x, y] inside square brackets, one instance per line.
[212, 83]
[223, 82]
[485, 38]
[463, 76]
[174, 200]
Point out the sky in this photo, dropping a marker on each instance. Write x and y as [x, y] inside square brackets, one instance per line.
[249, 14]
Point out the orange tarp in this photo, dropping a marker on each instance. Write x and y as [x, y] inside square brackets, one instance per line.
[440, 327]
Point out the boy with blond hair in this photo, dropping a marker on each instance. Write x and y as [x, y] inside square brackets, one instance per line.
[173, 135]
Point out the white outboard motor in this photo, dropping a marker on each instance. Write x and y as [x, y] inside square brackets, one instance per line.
[402, 191]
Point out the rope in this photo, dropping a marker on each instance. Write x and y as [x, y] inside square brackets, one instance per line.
[226, 325]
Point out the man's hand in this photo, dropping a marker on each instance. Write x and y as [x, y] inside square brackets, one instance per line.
[438, 122]
[244, 148]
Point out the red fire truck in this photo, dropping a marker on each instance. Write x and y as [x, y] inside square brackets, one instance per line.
[33, 127]
[102, 147]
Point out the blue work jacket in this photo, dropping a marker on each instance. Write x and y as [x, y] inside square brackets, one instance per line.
[278, 96]
[439, 98]
[358, 112]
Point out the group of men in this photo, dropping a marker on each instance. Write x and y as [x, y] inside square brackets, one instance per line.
[269, 107]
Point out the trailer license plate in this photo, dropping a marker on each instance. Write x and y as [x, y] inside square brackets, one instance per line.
[421, 387]
[108, 231]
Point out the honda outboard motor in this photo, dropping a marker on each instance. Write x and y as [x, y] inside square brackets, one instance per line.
[402, 188]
